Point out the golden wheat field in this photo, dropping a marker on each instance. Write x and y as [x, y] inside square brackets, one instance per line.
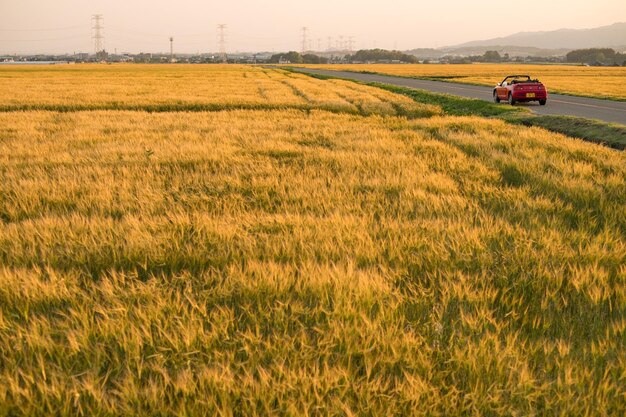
[162, 88]
[601, 82]
[237, 241]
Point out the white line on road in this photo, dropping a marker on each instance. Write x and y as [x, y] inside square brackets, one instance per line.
[588, 105]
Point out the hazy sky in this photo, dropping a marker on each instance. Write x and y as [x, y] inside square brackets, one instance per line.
[28, 26]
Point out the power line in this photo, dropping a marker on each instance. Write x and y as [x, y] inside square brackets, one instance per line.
[43, 30]
[44, 39]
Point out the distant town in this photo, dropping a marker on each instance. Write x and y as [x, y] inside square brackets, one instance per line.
[593, 56]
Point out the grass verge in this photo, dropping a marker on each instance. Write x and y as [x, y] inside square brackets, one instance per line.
[451, 105]
[611, 135]
[467, 80]
[607, 134]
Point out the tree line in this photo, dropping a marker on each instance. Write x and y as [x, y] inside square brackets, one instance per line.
[293, 57]
[369, 55]
[592, 56]
[605, 56]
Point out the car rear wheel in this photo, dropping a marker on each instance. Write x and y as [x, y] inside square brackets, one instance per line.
[496, 99]
[511, 99]
[542, 102]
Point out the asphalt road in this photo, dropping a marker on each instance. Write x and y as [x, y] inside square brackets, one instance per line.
[605, 110]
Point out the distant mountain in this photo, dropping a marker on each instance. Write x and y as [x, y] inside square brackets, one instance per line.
[513, 51]
[425, 53]
[606, 36]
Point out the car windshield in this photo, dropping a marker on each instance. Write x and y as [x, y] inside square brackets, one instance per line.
[517, 79]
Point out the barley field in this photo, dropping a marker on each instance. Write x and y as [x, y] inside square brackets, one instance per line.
[159, 88]
[599, 82]
[259, 243]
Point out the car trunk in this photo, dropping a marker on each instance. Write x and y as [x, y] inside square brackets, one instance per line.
[529, 87]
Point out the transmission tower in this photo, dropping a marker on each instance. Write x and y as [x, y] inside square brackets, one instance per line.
[304, 39]
[350, 43]
[330, 43]
[171, 49]
[98, 37]
[222, 41]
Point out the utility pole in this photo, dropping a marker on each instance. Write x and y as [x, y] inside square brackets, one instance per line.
[98, 37]
[171, 49]
[304, 40]
[222, 41]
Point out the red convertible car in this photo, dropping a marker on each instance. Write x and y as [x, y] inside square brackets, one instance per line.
[520, 88]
